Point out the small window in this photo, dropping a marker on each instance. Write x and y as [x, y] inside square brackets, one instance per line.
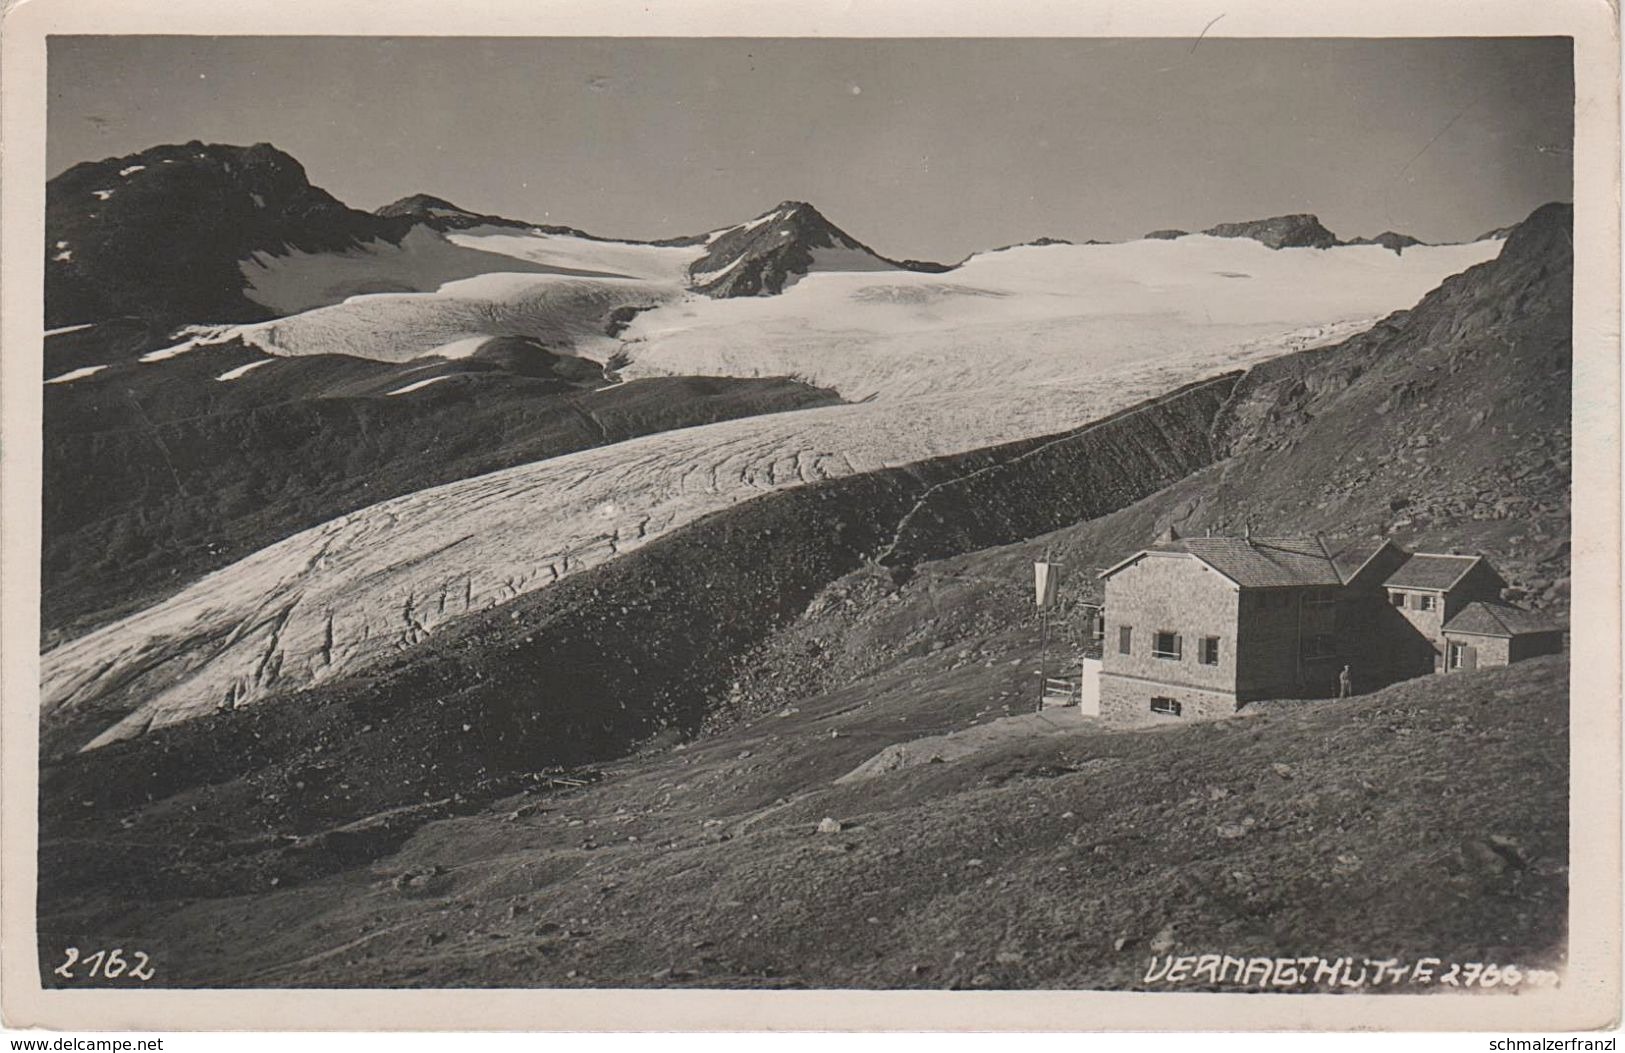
[1167, 707]
[1397, 599]
[1427, 602]
[1165, 645]
[1209, 654]
[1125, 639]
[1456, 651]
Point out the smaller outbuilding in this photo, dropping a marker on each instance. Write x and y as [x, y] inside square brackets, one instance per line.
[1486, 634]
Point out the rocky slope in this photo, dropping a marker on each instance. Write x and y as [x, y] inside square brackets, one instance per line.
[160, 234]
[1039, 859]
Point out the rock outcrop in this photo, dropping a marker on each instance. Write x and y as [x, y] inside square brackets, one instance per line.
[1300, 230]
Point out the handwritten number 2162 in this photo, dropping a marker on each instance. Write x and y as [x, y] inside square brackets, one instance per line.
[108, 964]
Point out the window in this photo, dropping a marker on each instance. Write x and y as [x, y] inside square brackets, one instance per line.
[1456, 652]
[1165, 645]
[1209, 654]
[1427, 602]
[1397, 599]
[1167, 707]
[1125, 639]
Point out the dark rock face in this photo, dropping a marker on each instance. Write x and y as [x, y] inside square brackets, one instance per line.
[1166, 235]
[526, 357]
[158, 235]
[1279, 232]
[762, 257]
[1391, 240]
[439, 214]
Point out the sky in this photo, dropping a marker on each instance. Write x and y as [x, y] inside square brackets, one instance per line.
[922, 148]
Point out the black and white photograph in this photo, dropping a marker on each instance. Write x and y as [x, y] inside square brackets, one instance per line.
[791, 513]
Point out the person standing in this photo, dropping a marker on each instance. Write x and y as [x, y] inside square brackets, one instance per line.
[1345, 683]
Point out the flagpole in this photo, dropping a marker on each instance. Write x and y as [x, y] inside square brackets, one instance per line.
[1043, 628]
[1043, 650]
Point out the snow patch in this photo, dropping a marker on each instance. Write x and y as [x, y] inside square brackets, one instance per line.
[416, 385]
[62, 257]
[76, 374]
[196, 336]
[259, 200]
[132, 170]
[423, 262]
[583, 256]
[166, 353]
[758, 221]
[68, 329]
[461, 348]
[102, 195]
[243, 370]
[707, 277]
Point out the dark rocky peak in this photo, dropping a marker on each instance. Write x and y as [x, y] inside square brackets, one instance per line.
[439, 214]
[160, 234]
[1299, 230]
[1391, 240]
[420, 205]
[1168, 234]
[763, 255]
[1545, 238]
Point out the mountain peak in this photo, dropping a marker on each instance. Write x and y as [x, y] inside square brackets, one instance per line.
[1389, 239]
[414, 204]
[160, 234]
[440, 214]
[1294, 230]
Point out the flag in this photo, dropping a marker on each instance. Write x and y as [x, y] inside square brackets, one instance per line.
[1046, 579]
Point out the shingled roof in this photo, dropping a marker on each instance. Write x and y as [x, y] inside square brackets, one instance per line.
[1481, 618]
[1262, 562]
[1427, 571]
[1355, 555]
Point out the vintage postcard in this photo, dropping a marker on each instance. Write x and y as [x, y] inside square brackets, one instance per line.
[911, 516]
